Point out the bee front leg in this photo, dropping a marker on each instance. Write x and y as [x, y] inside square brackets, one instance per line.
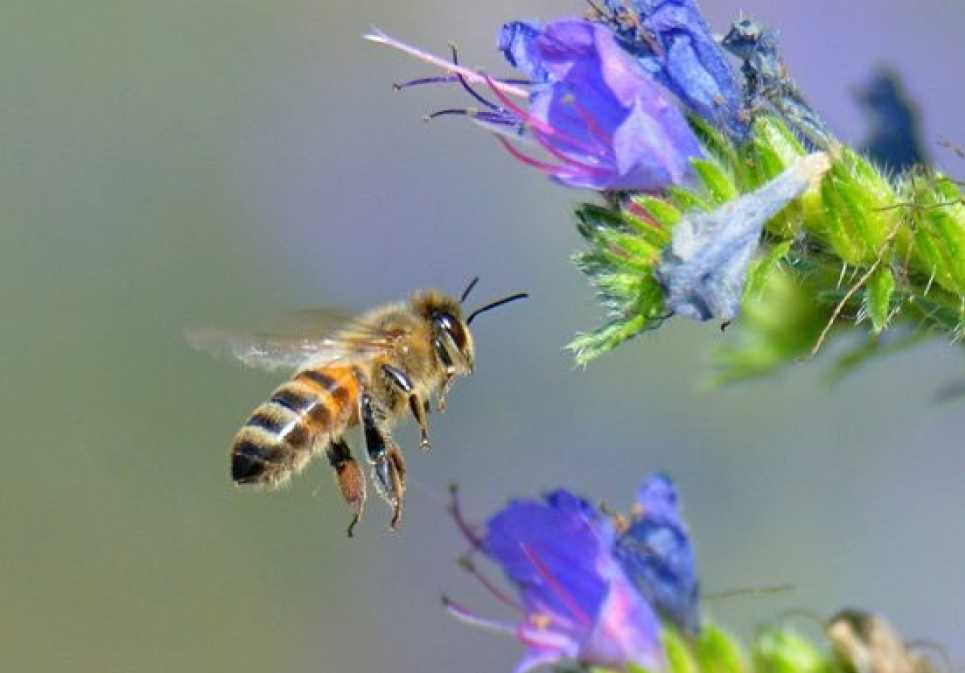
[388, 466]
[443, 391]
[416, 404]
[350, 479]
[444, 354]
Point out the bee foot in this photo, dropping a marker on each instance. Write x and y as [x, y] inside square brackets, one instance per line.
[396, 516]
[351, 526]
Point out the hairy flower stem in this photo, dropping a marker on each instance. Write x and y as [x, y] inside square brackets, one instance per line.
[877, 256]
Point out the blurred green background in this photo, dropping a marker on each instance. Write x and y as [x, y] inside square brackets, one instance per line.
[165, 165]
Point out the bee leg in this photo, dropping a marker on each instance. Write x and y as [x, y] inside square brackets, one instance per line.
[418, 407]
[398, 464]
[445, 357]
[386, 458]
[443, 391]
[350, 479]
[416, 404]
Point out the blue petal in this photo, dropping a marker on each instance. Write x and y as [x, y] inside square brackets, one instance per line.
[657, 555]
[675, 43]
[516, 41]
[608, 124]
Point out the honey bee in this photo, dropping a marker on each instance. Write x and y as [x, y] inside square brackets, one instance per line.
[379, 366]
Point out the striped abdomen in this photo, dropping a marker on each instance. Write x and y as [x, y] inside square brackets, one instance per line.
[303, 414]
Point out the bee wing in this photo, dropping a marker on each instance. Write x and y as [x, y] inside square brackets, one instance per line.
[263, 351]
[317, 335]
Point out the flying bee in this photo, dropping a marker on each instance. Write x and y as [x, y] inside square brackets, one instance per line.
[379, 366]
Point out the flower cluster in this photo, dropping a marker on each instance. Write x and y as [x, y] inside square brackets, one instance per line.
[721, 195]
[724, 195]
[604, 100]
[608, 592]
[591, 588]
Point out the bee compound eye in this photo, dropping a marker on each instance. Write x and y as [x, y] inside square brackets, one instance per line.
[444, 322]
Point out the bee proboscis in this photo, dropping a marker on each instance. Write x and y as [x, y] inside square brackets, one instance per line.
[390, 361]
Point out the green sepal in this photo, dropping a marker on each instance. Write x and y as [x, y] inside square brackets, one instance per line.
[779, 650]
[881, 289]
[856, 220]
[718, 652]
[719, 185]
[660, 211]
[680, 657]
[775, 146]
[761, 271]
[945, 221]
[686, 200]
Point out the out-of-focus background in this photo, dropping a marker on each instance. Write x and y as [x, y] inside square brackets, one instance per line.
[165, 165]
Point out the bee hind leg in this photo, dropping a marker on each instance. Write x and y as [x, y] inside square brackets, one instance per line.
[388, 465]
[396, 477]
[350, 479]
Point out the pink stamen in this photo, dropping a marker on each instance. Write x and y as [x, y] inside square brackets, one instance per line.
[379, 37]
[551, 580]
[562, 156]
[528, 160]
[491, 587]
[541, 639]
[595, 130]
[537, 125]
[542, 130]
[464, 615]
[464, 526]
[476, 542]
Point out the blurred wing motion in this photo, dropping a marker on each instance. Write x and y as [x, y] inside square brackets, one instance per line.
[315, 335]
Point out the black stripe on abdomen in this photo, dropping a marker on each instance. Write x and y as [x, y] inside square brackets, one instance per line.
[294, 400]
[326, 382]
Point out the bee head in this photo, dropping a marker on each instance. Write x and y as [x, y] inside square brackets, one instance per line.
[451, 338]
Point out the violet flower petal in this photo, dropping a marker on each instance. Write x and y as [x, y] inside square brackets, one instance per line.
[674, 42]
[597, 110]
[656, 553]
[580, 604]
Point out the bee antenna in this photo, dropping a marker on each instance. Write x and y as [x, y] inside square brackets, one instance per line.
[465, 293]
[494, 304]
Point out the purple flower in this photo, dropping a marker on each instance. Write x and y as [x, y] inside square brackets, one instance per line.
[599, 119]
[656, 553]
[594, 110]
[576, 601]
[674, 43]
